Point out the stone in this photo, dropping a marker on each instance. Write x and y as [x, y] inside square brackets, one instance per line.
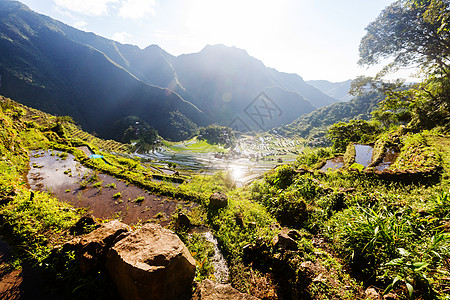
[210, 290]
[372, 294]
[93, 247]
[284, 242]
[183, 221]
[151, 263]
[293, 234]
[390, 296]
[84, 225]
[218, 200]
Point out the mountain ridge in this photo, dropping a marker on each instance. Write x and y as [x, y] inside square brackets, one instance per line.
[59, 69]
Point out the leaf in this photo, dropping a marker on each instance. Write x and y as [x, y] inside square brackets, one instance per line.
[403, 251]
[392, 285]
[420, 266]
[410, 289]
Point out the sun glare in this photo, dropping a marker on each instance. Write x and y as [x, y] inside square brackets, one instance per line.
[237, 172]
[233, 22]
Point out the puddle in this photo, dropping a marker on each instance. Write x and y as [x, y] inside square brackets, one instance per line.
[333, 163]
[363, 155]
[62, 177]
[389, 158]
[221, 271]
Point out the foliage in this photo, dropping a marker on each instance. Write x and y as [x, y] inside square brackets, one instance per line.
[315, 124]
[202, 251]
[311, 157]
[414, 33]
[134, 129]
[415, 154]
[182, 127]
[215, 134]
[355, 131]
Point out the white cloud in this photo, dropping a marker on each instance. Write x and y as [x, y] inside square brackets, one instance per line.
[86, 7]
[80, 25]
[121, 37]
[137, 9]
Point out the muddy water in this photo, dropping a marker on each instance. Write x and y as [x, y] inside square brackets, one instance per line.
[363, 155]
[62, 177]
[389, 158]
[333, 164]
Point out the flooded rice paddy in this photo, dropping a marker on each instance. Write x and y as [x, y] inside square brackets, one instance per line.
[62, 176]
[333, 164]
[363, 154]
[389, 158]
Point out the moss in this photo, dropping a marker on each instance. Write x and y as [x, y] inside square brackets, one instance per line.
[349, 156]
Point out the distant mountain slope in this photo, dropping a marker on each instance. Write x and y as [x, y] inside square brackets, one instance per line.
[43, 68]
[338, 90]
[316, 123]
[223, 81]
[54, 67]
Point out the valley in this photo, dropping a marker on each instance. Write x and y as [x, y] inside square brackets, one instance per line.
[131, 173]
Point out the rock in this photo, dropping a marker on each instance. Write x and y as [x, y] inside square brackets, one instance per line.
[151, 263]
[239, 219]
[84, 225]
[183, 221]
[210, 290]
[284, 242]
[93, 247]
[71, 245]
[293, 234]
[372, 294]
[218, 200]
[390, 296]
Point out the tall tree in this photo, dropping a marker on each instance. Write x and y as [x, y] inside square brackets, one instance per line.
[411, 33]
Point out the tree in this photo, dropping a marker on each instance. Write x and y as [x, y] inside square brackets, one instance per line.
[411, 33]
[355, 131]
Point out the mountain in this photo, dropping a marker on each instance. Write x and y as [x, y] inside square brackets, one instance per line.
[315, 124]
[43, 68]
[224, 81]
[59, 69]
[337, 90]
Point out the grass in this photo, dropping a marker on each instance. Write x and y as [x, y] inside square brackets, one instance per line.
[194, 145]
[354, 230]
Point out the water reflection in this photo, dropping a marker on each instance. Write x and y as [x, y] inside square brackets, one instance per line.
[389, 158]
[363, 154]
[333, 163]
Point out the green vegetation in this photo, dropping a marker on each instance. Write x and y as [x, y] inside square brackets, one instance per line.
[355, 131]
[297, 232]
[217, 135]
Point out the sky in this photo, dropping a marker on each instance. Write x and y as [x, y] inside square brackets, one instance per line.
[317, 39]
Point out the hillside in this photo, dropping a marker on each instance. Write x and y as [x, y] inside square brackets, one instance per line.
[44, 69]
[278, 236]
[315, 123]
[338, 90]
[59, 69]
[224, 81]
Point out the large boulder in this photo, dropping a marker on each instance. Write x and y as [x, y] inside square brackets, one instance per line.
[218, 200]
[210, 290]
[92, 248]
[151, 263]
